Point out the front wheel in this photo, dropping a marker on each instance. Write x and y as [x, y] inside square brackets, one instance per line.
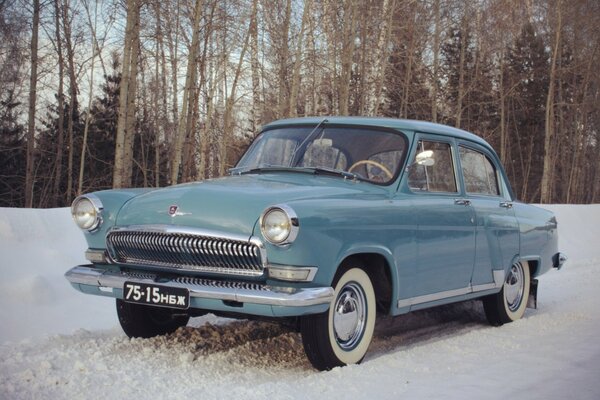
[509, 304]
[142, 321]
[342, 335]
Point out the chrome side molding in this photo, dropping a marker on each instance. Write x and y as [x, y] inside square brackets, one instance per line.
[498, 274]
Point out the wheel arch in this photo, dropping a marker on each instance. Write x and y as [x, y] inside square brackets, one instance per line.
[533, 261]
[380, 266]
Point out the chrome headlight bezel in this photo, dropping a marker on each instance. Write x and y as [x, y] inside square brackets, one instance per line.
[95, 219]
[290, 231]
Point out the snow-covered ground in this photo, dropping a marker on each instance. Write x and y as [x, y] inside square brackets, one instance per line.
[56, 343]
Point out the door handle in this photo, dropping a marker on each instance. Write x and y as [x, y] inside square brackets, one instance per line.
[462, 202]
[506, 204]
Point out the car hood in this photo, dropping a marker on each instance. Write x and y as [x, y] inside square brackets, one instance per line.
[234, 204]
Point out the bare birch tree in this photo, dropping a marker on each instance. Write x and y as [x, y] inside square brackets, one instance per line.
[123, 152]
[29, 177]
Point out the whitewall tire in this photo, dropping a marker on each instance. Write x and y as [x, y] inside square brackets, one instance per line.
[342, 335]
[510, 303]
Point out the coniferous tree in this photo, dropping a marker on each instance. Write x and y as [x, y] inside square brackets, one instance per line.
[528, 82]
[12, 153]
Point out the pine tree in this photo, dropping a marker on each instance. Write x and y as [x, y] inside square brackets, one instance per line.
[527, 83]
[12, 153]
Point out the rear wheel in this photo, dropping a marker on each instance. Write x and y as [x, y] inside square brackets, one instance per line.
[145, 321]
[509, 304]
[342, 335]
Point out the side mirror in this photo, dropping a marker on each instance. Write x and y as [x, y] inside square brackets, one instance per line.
[425, 158]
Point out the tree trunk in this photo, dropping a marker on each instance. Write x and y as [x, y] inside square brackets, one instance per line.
[73, 96]
[131, 106]
[256, 112]
[436, 61]
[95, 51]
[293, 107]
[173, 44]
[502, 95]
[379, 59]
[60, 134]
[282, 100]
[461, 74]
[347, 55]
[228, 117]
[119, 172]
[546, 194]
[185, 117]
[29, 175]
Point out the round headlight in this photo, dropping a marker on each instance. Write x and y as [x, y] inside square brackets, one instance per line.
[279, 225]
[86, 212]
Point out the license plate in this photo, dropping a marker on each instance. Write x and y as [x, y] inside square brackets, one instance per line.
[156, 295]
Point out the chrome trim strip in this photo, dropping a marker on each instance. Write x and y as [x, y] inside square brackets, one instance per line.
[207, 289]
[499, 275]
[497, 284]
[186, 230]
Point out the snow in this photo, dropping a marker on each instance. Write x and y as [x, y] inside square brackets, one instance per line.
[56, 343]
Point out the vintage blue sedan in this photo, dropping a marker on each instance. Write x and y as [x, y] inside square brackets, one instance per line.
[324, 223]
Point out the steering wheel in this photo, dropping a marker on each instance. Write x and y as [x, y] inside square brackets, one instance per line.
[375, 163]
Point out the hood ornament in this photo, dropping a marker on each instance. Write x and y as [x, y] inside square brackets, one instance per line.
[174, 211]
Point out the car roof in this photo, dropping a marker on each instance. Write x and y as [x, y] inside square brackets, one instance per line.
[408, 124]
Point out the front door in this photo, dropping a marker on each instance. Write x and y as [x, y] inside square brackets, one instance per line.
[446, 224]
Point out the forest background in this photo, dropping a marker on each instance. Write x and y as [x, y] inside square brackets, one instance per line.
[96, 94]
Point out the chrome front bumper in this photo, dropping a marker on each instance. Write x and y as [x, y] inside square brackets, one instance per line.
[243, 292]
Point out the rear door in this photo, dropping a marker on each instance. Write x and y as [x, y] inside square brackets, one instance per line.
[497, 230]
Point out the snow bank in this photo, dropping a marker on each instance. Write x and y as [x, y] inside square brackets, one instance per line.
[579, 231]
[37, 247]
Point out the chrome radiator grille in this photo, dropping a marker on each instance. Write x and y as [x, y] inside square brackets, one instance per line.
[185, 251]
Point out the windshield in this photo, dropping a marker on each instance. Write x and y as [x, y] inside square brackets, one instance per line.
[371, 154]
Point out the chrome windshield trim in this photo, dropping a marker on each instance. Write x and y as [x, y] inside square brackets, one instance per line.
[207, 289]
[497, 284]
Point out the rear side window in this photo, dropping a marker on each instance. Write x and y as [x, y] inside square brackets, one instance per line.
[435, 171]
[478, 172]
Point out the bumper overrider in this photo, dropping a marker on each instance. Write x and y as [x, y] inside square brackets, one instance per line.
[208, 294]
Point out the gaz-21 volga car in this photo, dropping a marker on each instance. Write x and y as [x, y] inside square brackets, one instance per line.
[323, 223]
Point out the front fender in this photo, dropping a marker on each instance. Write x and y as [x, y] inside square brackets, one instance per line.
[112, 201]
[371, 248]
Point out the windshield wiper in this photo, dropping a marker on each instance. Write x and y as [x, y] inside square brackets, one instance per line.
[264, 168]
[306, 139]
[302, 170]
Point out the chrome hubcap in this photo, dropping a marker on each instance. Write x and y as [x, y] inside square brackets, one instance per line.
[349, 316]
[514, 287]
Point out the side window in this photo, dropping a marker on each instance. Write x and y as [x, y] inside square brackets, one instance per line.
[478, 172]
[435, 171]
